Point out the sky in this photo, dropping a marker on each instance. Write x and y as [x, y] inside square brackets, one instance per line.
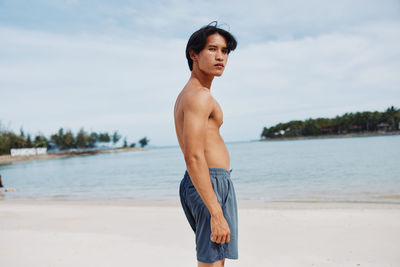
[119, 65]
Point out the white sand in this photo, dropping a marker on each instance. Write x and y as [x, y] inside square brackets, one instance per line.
[130, 234]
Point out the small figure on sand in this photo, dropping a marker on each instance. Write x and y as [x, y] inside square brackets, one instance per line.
[6, 189]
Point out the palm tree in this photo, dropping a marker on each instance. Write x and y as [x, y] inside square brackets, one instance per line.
[143, 142]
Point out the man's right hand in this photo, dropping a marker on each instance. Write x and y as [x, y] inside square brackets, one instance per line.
[220, 232]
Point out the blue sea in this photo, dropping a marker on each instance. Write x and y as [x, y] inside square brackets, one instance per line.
[358, 169]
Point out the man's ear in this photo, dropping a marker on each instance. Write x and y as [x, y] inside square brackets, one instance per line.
[193, 55]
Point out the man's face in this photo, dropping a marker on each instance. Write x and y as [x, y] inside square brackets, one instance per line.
[212, 59]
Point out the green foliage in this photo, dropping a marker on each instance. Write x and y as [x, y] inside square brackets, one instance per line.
[28, 141]
[69, 140]
[81, 138]
[311, 127]
[40, 141]
[125, 143]
[84, 140]
[348, 123]
[63, 139]
[94, 137]
[115, 137]
[58, 139]
[144, 141]
[104, 137]
[9, 140]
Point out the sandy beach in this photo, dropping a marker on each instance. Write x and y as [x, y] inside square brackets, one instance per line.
[118, 233]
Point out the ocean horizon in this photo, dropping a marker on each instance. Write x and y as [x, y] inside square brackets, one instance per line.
[357, 169]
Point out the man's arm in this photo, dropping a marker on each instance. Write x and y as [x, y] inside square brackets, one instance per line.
[197, 110]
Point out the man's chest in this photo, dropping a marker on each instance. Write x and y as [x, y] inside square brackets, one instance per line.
[216, 115]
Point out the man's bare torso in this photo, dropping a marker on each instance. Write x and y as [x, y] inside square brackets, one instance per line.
[215, 151]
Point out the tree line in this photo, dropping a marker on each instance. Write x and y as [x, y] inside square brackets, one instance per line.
[359, 122]
[62, 140]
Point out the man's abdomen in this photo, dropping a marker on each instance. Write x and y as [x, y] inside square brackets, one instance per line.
[216, 153]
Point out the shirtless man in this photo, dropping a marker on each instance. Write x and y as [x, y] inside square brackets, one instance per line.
[206, 191]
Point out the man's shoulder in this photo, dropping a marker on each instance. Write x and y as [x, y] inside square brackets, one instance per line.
[197, 96]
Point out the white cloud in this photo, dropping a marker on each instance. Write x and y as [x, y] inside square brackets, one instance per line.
[89, 82]
[328, 75]
[295, 60]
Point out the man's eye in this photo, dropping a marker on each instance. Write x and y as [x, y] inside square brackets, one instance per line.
[212, 49]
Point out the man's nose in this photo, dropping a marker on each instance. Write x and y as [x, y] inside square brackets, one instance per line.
[219, 55]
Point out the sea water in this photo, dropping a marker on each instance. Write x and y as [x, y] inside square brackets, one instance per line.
[365, 169]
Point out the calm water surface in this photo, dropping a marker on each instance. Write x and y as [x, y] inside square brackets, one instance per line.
[339, 169]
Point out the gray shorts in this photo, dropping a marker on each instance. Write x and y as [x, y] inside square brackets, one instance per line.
[199, 217]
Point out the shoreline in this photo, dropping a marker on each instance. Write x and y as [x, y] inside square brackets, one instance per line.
[8, 159]
[332, 136]
[172, 200]
[295, 205]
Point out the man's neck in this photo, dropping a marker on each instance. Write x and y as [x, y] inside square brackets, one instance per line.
[203, 79]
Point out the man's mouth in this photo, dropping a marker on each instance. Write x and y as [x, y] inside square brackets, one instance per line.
[219, 65]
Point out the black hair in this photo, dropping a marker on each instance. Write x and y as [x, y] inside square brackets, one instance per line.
[199, 38]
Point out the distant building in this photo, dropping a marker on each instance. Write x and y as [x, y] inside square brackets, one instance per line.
[383, 126]
[327, 130]
[355, 128]
[28, 151]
